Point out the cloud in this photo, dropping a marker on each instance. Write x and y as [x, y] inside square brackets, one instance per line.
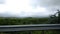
[24, 8]
[48, 2]
[1, 1]
[52, 4]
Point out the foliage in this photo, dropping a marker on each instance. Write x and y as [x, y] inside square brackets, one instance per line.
[20, 21]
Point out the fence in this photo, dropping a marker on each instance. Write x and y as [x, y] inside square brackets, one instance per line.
[7, 28]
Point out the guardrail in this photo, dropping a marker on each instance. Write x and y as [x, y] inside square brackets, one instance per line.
[7, 28]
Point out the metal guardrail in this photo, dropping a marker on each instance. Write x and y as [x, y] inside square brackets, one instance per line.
[7, 28]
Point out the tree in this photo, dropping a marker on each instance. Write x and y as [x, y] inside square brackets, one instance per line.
[58, 16]
[55, 19]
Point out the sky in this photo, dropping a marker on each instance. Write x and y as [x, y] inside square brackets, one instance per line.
[28, 8]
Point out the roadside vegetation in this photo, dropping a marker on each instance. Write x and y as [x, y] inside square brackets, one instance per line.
[24, 21]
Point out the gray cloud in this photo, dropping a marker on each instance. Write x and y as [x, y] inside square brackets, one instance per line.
[49, 2]
[1, 1]
[52, 4]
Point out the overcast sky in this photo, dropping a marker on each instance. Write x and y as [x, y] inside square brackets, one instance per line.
[28, 8]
